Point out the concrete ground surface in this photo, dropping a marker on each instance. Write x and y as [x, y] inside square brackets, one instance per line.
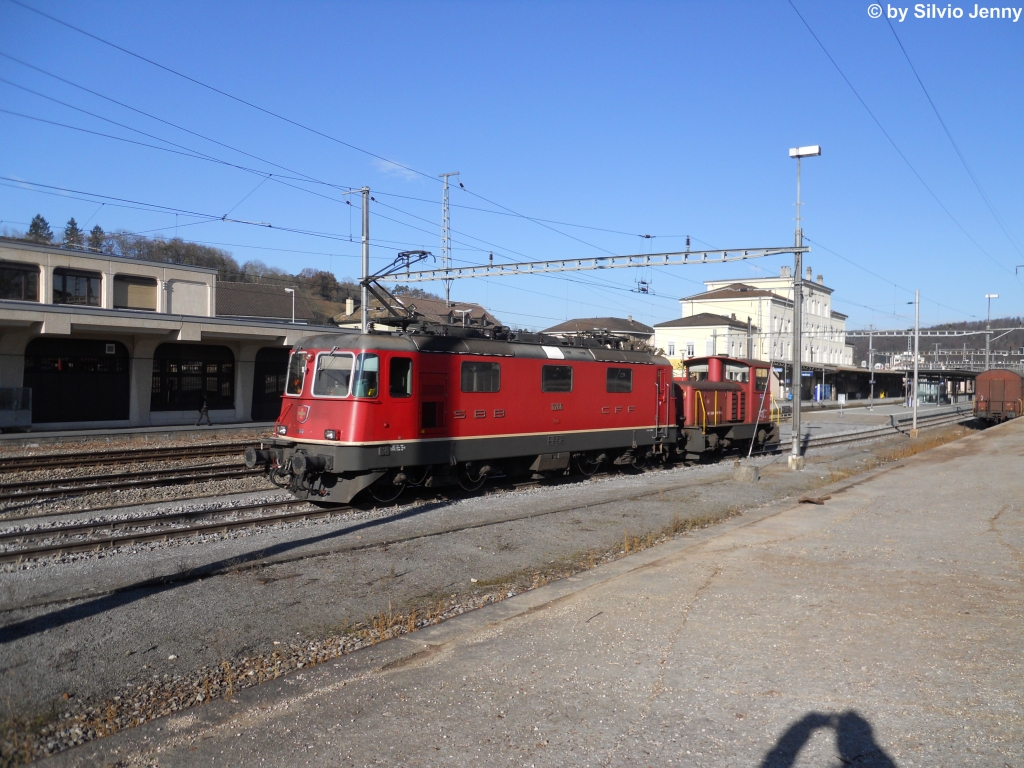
[882, 628]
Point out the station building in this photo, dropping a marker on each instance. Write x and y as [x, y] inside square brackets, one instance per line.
[104, 341]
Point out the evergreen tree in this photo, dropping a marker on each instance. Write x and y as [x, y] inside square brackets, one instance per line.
[39, 230]
[96, 239]
[73, 237]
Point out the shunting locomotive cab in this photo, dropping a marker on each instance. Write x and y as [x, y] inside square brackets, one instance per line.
[724, 403]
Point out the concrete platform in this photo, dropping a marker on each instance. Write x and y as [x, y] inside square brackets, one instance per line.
[880, 629]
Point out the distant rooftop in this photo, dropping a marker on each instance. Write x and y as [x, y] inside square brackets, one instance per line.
[611, 324]
[703, 320]
[259, 300]
[734, 291]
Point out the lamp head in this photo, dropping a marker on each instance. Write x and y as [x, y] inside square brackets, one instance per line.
[991, 295]
[811, 151]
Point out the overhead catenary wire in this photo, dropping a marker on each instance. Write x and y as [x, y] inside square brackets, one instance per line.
[952, 141]
[289, 120]
[277, 115]
[890, 139]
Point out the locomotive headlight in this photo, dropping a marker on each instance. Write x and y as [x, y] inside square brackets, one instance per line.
[330, 434]
[282, 429]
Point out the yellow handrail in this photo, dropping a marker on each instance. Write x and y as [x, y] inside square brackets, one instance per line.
[704, 411]
[775, 411]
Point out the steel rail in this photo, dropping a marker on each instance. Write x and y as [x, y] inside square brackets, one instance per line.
[107, 542]
[76, 529]
[122, 481]
[94, 458]
[939, 420]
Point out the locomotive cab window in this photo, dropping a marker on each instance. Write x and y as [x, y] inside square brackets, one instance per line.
[366, 382]
[698, 372]
[400, 377]
[760, 379]
[620, 380]
[740, 373]
[481, 377]
[556, 378]
[296, 373]
[333, 374]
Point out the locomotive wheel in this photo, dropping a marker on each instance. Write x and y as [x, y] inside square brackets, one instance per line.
[469, 481]
[421, 479]
[588, 463]
[385, 490]
[637, 463]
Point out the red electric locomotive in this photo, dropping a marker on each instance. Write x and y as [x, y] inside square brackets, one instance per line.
[381, 411]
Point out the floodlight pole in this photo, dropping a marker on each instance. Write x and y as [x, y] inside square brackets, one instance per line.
[871, 369]
[917, 341]
[796, 459]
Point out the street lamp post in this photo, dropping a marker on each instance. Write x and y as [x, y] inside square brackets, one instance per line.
[292, 292]
[796, 459]
[917, 341]
[988, 326]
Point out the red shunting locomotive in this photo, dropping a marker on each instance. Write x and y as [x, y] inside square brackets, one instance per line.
[377, 412]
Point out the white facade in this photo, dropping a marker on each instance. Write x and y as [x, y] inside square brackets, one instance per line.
[768, 305]
[701, 335]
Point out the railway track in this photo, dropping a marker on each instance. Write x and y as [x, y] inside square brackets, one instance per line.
[79, 486]
[896, 426]
[22, 544]
[97, 458]
[19, 545]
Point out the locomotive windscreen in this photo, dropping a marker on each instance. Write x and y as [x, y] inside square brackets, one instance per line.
[333, 374]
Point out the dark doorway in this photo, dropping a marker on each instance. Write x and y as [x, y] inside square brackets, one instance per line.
[268, 379]
[77, 380]
[186, 374]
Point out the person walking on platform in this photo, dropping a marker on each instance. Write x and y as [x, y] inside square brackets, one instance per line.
[204, 412]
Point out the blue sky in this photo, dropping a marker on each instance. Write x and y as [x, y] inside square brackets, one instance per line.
[668, 119]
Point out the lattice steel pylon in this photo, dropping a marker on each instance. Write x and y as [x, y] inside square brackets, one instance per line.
[446, 238]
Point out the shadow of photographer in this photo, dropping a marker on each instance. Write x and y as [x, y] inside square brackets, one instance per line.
[855, 741]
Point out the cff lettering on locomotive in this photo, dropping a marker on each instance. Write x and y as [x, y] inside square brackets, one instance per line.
[378, 412]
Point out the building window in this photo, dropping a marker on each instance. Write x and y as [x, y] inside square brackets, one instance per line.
[671, 349]
[75, 287]
[19, 282]
[481, 377]
[186, 375]
[620, 380]
[132, 292]
[556, 378]
[690, 349]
